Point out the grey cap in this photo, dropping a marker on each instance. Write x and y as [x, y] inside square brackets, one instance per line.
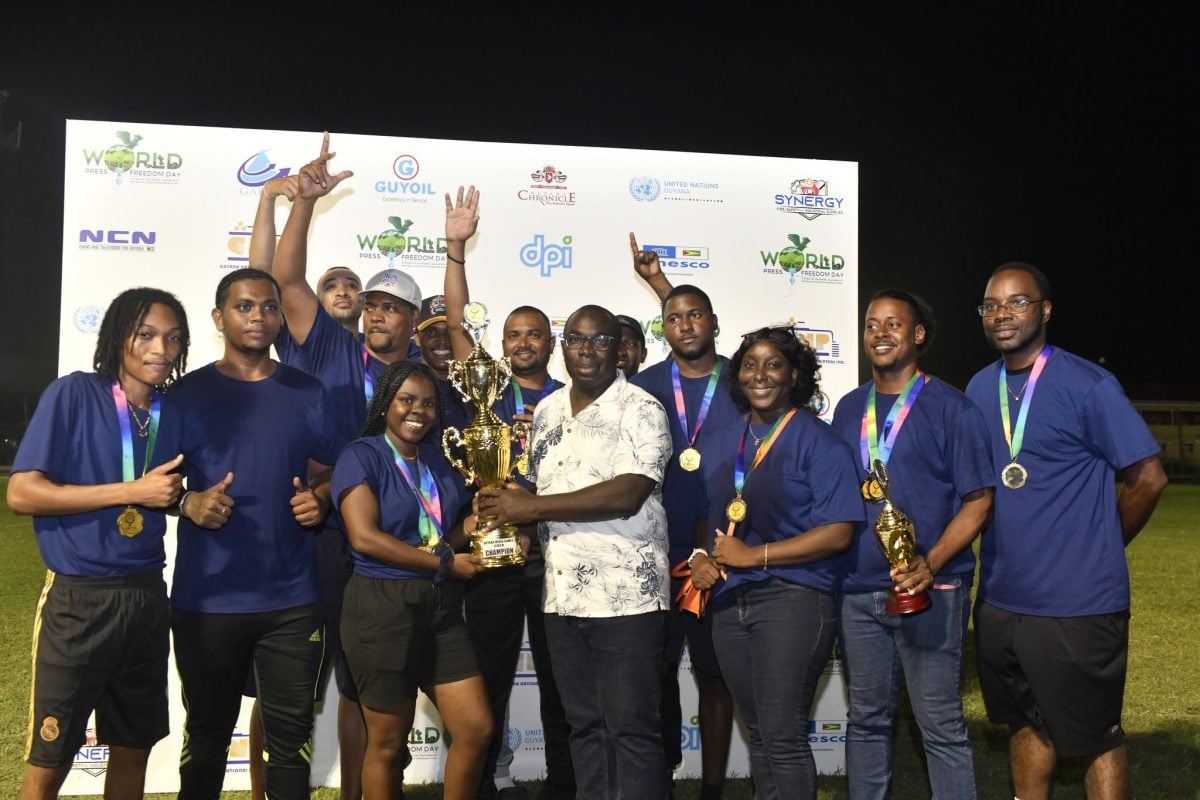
[396, 283]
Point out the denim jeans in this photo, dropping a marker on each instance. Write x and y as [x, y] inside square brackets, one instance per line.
[773, 643]
[609, 675]
[927, 647]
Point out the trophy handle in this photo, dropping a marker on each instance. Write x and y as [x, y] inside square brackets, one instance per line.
[455, 371]
[452, 436]
[503, 373]
[520, 431]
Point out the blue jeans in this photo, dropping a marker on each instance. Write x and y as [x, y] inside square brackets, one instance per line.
[773, 643]
[927, 647]
[609, 675]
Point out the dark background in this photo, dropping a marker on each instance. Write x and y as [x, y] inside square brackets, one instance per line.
[1062, 136]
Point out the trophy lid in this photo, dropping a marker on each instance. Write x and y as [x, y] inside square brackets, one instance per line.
[475, 320]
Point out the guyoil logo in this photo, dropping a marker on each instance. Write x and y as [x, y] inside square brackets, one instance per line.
[123, 159]
[799, 260]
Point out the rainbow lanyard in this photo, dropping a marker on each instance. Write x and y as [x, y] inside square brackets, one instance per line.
[681, 407]
[740, 473]
[429, 522]
[871, 444]
[1017, 436]
[122, 405]
[368, 378]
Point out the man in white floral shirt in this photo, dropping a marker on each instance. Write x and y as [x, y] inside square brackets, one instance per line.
[600, 447]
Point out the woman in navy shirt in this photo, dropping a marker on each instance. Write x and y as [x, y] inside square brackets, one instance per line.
[783, 479]
[402, 623]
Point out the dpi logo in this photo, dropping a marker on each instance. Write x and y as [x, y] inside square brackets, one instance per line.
[547, 257]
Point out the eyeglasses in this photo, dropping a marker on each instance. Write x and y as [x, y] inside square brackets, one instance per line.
[1018, 306]
[601, 341]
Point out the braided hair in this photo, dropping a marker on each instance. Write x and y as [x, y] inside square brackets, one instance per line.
[922, 313]
[798, 353]
[389, 384]
[124, 316]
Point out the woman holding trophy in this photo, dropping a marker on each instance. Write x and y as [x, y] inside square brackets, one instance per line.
[789, 481]
[402, 624]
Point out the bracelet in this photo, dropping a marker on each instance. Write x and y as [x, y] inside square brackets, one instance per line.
[181, 502]
[458, 261]
[766, 548]
[697, 552]
[445, 553]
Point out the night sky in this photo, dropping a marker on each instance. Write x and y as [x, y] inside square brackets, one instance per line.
[984, 132]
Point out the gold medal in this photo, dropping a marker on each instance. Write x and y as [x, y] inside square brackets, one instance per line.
[129, 523]
[871, 491]
[1014, 476]
[736, 510]
[689, 459]
[523, 463]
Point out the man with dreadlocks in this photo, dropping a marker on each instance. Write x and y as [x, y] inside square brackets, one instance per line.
[90, 474]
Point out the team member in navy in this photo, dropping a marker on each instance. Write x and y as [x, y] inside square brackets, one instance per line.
[245, 592]
[323, 332]
[933, 442]
[501, 602]
[631, 352]
[783, 478]
[403, 507]
[693, 386]
[1052, 613]
[90, 473]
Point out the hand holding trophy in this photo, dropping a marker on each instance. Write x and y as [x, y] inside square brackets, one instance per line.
[897, 537]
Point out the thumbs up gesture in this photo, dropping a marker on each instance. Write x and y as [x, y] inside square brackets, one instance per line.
[212, 508]
[158, 488]
[306, 506]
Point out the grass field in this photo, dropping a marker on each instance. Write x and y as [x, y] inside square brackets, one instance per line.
[1162, 700]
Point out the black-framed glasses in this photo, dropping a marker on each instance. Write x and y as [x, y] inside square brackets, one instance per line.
[601, 341]
[1018, 306]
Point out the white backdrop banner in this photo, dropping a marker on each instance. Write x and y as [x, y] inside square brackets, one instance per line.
[771, 240]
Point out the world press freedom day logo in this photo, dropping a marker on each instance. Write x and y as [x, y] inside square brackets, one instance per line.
[810, 198]
[802, 260]
[127, 162]
[398, 245]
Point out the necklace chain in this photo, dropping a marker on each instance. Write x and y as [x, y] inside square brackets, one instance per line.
[143, 427]
[1017, 396]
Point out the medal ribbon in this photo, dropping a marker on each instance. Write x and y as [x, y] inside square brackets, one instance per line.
[368, 378]
[1016, 436]
[429, 523]
[871, 444]
[740, 473]
[122, 405]
[681, 407]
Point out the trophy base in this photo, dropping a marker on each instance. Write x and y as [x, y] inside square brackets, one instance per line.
[498, 548]
[901, 604]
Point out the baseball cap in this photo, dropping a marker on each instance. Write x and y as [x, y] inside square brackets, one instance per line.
[634, 325]
[433, 309]
[396, 283]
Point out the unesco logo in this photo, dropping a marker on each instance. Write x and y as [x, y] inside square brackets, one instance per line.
[547, 256]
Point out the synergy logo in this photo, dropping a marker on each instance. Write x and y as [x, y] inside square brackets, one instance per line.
[548, 187]
[92, 758]
[87, 319]
[117, 240]
[256, 170]
[809, 197]
[678, 258]
[547, 257]
[799, 260]
[140, 166]
[411, 251]
[406, 189]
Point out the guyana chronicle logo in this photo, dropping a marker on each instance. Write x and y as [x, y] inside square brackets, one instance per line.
[398, 245]
[801, 260]
[127, 162]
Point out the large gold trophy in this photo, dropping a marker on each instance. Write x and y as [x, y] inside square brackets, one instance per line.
[487, 441]
[897, 537]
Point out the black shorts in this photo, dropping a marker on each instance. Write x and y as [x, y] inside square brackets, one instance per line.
[1063, 675]
[698, 632]
[401, 635]
[102, 644]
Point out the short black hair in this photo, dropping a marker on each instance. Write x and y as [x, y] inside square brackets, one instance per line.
[687, 288]
[921, 310]
[609, 317]
[124, 316]
[1039, 277]
[389, 384]
[529, 310]
[795, 350]
[243, 274]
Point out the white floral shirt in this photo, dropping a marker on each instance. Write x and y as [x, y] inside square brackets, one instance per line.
[614, 567]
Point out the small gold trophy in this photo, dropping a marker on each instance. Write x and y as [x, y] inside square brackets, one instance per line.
[487, 441]
[897, 537]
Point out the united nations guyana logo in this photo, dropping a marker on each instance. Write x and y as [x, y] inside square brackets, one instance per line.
[645, 189]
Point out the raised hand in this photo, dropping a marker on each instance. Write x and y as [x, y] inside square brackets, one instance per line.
[462, 215]
[315, 179]
[212, 508]
[306, 507]
[286, 186]
[157, 488]
[645, 262]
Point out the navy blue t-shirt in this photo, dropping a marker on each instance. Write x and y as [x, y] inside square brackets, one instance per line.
[1055, 546]
[74, 438]
[370, 461]
[683, 491]
[940, 455]
[264, 432]
[287, 351]
[807, 479]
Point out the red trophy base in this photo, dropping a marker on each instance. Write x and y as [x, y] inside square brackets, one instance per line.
[900, 604]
